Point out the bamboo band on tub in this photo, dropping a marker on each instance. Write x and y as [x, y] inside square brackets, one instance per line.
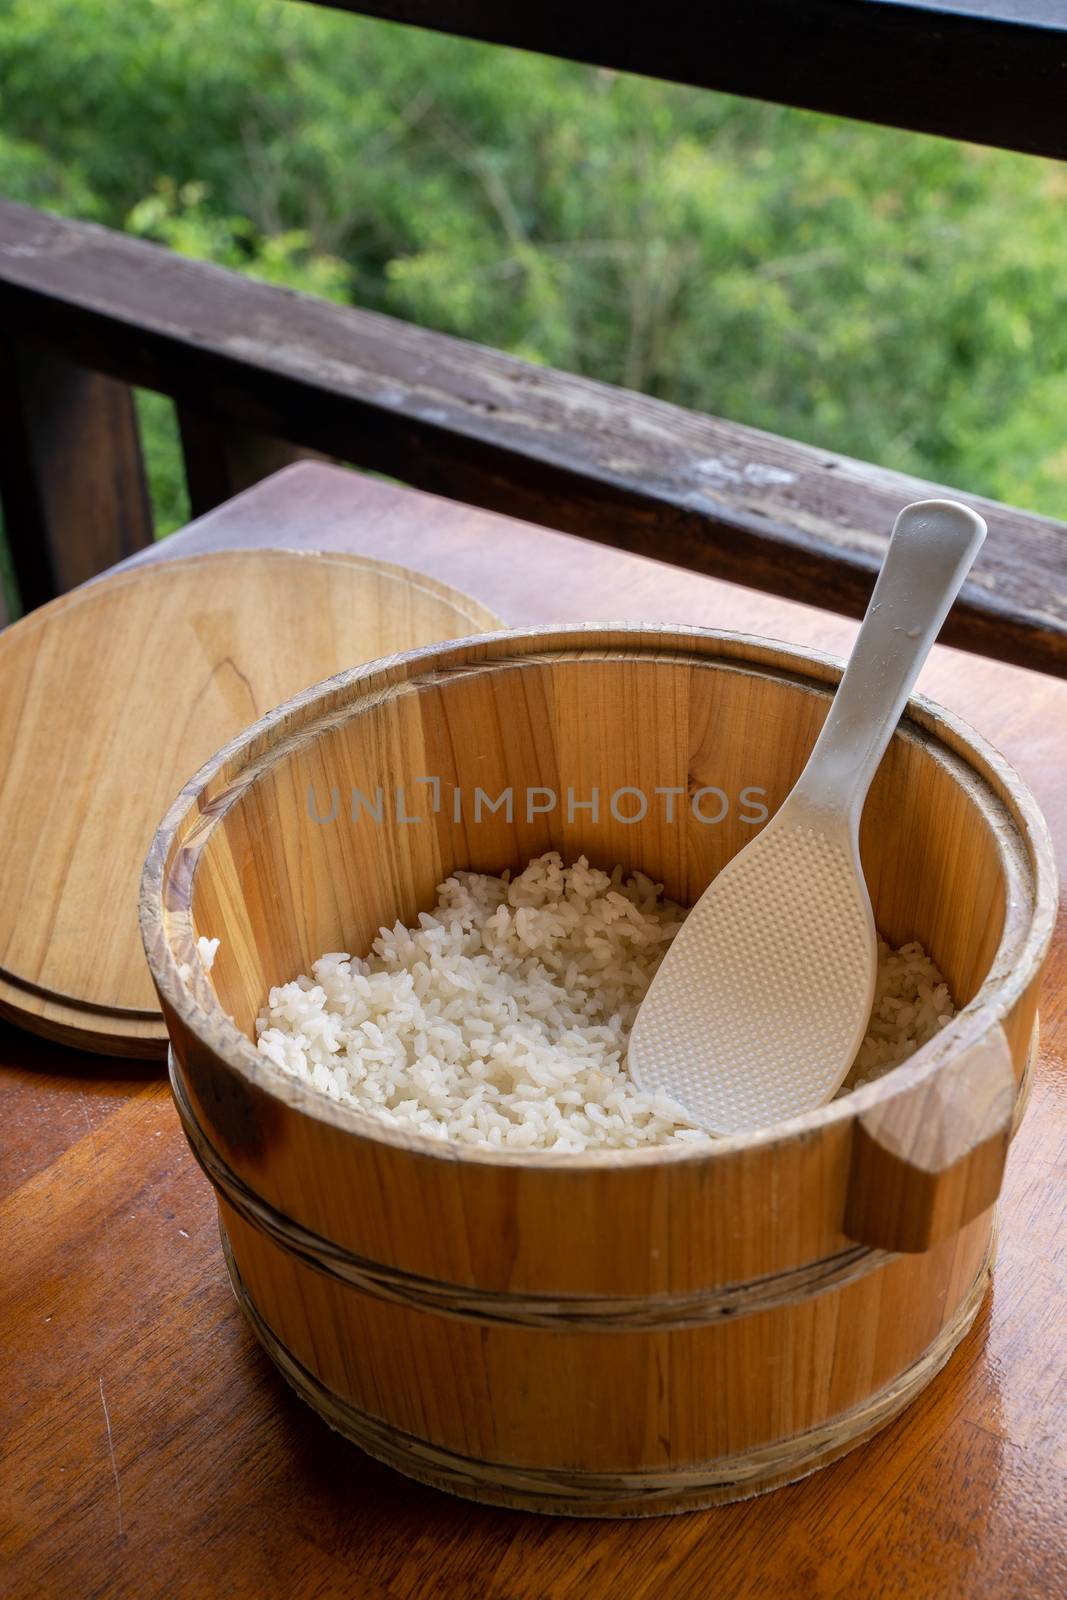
[602, 1313]
[573, 1492]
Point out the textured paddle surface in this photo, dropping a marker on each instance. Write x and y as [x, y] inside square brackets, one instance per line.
[763, 1000]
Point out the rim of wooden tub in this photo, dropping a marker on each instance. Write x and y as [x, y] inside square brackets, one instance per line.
[169, 877]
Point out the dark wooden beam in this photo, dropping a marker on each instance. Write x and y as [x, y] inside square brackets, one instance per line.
[72, 478]
[483, 427]
[990, 71]
[222, 458]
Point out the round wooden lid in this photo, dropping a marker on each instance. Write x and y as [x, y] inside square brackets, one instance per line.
[114, 695]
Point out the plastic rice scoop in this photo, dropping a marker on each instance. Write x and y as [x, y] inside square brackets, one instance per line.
[764, 997]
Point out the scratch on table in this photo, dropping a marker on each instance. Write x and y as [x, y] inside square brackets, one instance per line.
[111, 1453]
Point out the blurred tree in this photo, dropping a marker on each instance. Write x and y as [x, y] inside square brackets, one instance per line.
[890, 296]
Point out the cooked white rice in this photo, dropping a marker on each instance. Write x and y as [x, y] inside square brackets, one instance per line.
[911, 1004]
[502, 1020]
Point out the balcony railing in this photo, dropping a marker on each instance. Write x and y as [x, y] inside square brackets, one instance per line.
[261, 374]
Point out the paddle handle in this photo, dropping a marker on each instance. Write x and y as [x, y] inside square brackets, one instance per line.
[933, 546]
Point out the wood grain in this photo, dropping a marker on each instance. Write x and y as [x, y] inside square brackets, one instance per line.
[927, 1163]
[485, 427]
[231, 1486]
[115, 694]
[561, 1489]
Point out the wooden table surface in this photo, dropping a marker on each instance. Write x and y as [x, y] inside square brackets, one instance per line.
[147, 1447]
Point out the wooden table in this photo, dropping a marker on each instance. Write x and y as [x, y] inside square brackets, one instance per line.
[149, 1448]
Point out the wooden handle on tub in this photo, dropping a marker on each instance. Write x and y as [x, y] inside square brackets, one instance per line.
[931, 1158]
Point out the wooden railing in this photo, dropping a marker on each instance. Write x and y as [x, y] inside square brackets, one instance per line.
[991, 71]
[261, 374]
[258, 372]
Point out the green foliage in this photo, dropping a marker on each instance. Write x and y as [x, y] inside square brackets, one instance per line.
[889, 296]
[29, 173]
[183, 219]
[158, 423]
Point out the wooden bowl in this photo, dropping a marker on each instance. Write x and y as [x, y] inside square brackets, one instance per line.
[611, 1333]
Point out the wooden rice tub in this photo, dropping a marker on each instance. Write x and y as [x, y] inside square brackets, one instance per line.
[608, 1334]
